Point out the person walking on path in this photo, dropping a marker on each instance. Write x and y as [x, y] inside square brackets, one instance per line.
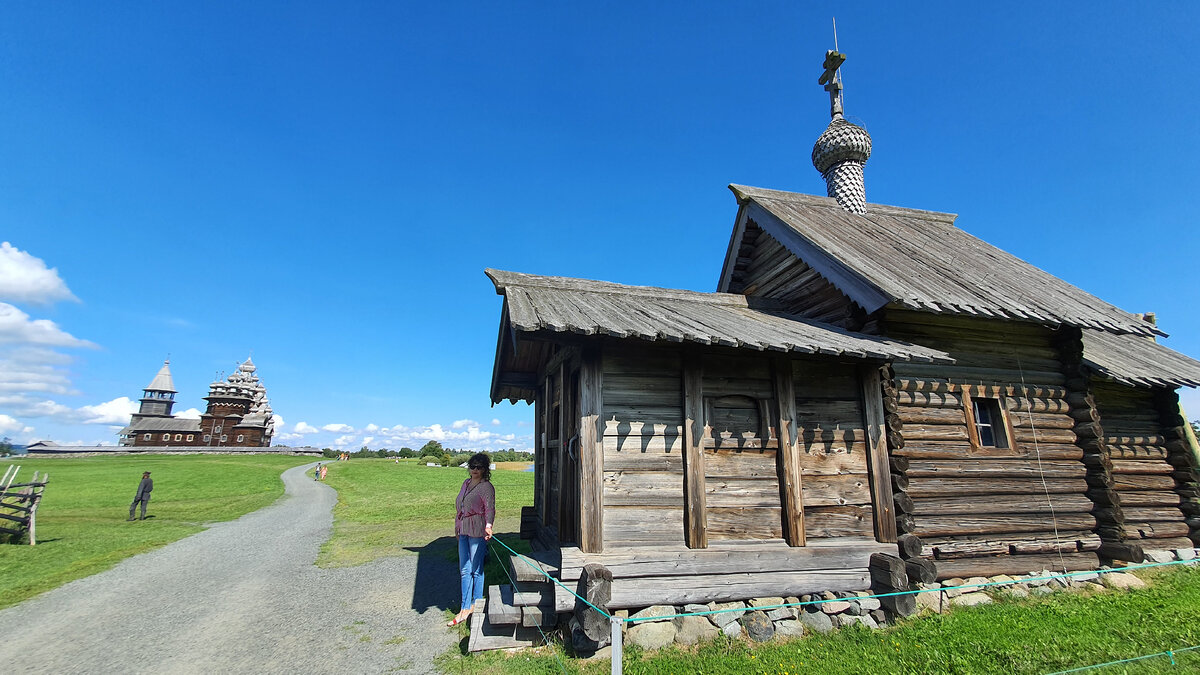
[143, 495]
[317, 473]
[475, 511]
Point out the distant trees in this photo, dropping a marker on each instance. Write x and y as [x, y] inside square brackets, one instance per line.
[6, 447]
[433, 451]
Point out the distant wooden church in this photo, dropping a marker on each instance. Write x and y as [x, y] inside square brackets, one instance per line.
[867, 379]
[238, 414]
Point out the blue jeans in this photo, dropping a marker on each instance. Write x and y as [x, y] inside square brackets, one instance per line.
[471, 551]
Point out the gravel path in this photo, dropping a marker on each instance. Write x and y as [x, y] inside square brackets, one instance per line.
[242, 596]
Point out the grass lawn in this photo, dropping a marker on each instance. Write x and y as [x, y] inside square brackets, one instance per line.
[387, 508]
[81, 526]
[1041, 635]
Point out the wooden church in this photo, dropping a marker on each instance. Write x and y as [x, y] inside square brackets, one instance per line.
[866, 379]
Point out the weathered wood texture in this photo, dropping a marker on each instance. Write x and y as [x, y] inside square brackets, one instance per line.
[738, 393]
[766, 269]
[833, 444]
[731, 570]
[591, 454]
[642, 420]
[1153, 484]
[971, 499]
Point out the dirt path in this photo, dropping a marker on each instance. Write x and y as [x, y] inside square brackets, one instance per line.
[242, 596]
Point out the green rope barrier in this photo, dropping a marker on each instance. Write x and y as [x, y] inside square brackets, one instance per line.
[1170, 653]
[526, 560]
[545, 639]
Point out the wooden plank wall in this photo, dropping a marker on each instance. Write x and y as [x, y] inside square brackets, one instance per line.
[642, 420]
[770, 270]
[1141, 475]
[987, 510]
[833, 449]
[741, 478]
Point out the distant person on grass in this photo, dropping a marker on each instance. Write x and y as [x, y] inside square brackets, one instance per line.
[475, 511]
[143, 495]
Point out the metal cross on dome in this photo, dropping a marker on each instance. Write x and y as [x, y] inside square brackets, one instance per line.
[832, 80]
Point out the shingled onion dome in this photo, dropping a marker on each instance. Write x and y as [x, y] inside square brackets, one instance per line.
[840, 154]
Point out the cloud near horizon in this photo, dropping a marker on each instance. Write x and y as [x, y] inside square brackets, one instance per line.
[25, 278]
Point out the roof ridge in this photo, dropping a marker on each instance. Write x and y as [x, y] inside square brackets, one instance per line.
[503, 279]
[745, 192]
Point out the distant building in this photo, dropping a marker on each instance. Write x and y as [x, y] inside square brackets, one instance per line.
[238, 414]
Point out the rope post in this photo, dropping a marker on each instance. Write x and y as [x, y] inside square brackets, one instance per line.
[618, 647]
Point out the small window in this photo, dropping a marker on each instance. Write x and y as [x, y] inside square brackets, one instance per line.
[989, 423]
[224, 438]
[240, 437]
[216, 430]
[166, 437]
[179, 437]
[146, 437]
[190, 437]
[207, 438]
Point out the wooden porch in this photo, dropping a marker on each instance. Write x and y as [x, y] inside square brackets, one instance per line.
[673, 574]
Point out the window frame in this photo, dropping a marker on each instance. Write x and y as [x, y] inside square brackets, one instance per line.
[1002, 430]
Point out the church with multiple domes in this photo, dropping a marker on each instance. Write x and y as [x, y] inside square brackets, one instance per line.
[238, 414]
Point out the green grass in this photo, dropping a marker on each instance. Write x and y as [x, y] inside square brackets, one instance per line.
[387, 509]
[1040, 635]
[81, 526]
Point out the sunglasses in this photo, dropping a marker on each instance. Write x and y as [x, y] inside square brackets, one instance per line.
[475, 468]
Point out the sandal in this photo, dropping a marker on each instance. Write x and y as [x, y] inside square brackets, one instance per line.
[455, 621]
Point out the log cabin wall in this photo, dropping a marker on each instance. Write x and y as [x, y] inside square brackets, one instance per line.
[834, 452]
[766, 269]
[743, 493]
[1152, 485]
[741, 449]
[642, 418]
[993, 472]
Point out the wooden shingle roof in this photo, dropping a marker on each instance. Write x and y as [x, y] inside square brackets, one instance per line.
[559, 305]
[891, 256]
[1135, 360]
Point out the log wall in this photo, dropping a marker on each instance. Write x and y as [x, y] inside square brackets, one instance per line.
[833, 449]
[644, 490]
[1152, 492]
[966, 500]
[741, 450]
[642, 419]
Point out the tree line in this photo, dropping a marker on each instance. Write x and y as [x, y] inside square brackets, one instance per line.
[434, 452]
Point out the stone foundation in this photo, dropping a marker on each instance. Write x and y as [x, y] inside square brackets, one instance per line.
[762, 619]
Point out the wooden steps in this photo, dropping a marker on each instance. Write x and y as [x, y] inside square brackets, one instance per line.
[516, 616]
[486, 635]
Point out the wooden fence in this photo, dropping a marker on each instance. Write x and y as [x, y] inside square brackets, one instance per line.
[19, 504]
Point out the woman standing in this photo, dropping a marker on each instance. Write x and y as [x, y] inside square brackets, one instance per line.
[475, 510]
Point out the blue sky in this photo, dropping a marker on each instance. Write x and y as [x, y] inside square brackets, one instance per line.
[322, 185]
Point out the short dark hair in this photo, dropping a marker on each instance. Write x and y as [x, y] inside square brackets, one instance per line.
[480, 460]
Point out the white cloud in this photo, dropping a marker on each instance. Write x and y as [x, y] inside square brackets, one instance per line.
[343, 441]
[11, 425]
[305, 428]
[367, 440]
[458, 424]
[25, 278]
[189, 414]
[116, 411]
[286, 437]
[372, 428]
[495, 422]
[338, 428]
[16, 327]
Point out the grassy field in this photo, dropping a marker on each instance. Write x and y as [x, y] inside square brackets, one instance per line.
[81, 522]
[1041, 635]
[387, 508]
